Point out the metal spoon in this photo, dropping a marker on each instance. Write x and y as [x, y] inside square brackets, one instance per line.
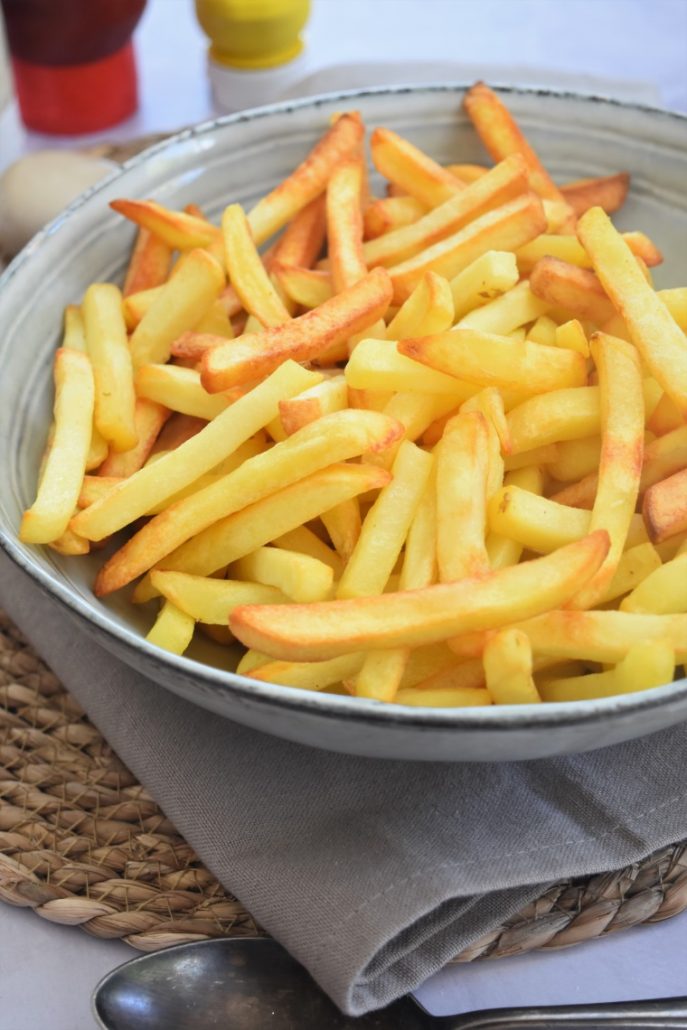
[254, 984]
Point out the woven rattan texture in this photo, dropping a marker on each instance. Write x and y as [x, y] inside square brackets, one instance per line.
[83, 844]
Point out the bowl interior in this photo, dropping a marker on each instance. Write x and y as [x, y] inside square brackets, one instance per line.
[239, 159]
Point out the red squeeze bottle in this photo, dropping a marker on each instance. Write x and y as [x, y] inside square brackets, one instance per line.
[73, 62]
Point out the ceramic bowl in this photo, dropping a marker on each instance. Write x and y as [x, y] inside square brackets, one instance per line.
[240, 158]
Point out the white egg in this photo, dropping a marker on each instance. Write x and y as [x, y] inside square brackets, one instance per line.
[36, 188]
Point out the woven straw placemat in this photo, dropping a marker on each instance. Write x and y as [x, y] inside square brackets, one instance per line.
[83, 844]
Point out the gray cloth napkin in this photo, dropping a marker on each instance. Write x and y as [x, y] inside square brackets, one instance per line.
[372, 873]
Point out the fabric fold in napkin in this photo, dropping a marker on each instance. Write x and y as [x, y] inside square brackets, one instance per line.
[372, 873]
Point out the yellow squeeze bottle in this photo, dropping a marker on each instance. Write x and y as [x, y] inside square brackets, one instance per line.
[256, 49]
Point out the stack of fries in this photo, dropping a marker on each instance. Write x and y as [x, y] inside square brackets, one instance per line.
[444, 464]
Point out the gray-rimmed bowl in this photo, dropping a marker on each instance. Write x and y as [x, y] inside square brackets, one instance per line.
[240, 158]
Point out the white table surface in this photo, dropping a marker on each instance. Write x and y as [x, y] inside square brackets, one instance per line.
[47, 972]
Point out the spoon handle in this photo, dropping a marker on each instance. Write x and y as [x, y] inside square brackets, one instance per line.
[659, 1014]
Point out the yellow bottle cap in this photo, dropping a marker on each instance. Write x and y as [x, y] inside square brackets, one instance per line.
[253, 34]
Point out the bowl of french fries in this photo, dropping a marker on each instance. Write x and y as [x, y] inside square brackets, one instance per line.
[361, 420]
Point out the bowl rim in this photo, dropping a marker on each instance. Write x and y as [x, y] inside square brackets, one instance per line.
[494, 718]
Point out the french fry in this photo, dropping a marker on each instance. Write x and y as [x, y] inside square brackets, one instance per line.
[467, 173]
[326, 397]
[462, 472]
[247, 273]
[577, 461]
[180, 389]
[608, 192]
[149, 263]
[676, 302]
[622, 452]
[537, 456]
[302, 339]
[381, 674]
[483, 280]
[308, 180]
[108, 349]
[215, 321]
[308, 675]
[173, 629]
[568, 414]
[504, 550]
[136, 305]
[663, 590]
[577, 290]
[569, 249]
[488, 360]
[211, 600]
[375, 365]
[176, 430]
[149, 419]
[543, 331]
[415, 412]
[336, 437]
[635, 564]
[665, 417]
[595, 636]
[302, 240]
[508, 668]
[653, 330]
[60, 482]
[305, 286]
[181, 304]
[386, 525]
[503, 228]
[298, 576]
[665, 507]
[152, 484]
[643, 667]
[237, 535]
[506, 313]
[75, 339]
[347, 264]
[389, 213]
[415, 172]
[95, 487]
[305, 541]
[572, 336]
[416, 617]
[429, 309]
[180, 231]
[503, 183]
[501, 136]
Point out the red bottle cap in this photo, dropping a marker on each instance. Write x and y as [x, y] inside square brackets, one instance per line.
[71, 99]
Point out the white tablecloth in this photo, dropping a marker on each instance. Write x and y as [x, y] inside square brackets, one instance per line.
[47, 972]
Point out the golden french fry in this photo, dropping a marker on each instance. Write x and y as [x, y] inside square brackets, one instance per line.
[149, 419]
[60, 482]
[569, 249]
[211, 600]
[336, 437]
[508, 668]
[247, 273]
[176, 430]
[237, 535]
[305, 541]
[343, 524]
[326, 397]
[173, 629]
[572, 336]
[139, 493]
[429, 309]
[486, 278]
[577, 462]
[308, 675]
[331, 628]
[643, 667]
[535, 522]
[577, 290]
[501, 136]
[665, 417]
[389, 213]
[302, 339]
[543, 331]
[108, 350]
[416, 412]
[182, 302]
[596, 636]
[653, 330]
[504, 228]
[415, 172]
[386, 526]
[377, 365]
[503, 183]
[462, 473]
[308, 180]
[467, 173]
[568, 414]
[180, 231]
[663, 591]
[608, 192]
[301, 242]
[489, 360]
[665, 507]
[95, 487]
[149, 263]
[506, 312]
[180, 389]
[306, 286]
[504, 550]
[347, 264]
[622, 452]
[298, 576]
[537, 456]
[636, 563]
[75, 339]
